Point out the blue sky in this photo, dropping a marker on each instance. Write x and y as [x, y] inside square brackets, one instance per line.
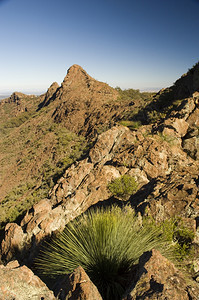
[132, 44]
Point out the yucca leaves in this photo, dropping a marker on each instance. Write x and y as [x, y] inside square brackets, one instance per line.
[107, 243]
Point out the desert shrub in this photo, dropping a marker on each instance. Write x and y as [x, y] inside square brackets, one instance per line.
[107, 243]
[176, 232]
[131, 124]
[133, 94]
[123, 187]
[11, 207]
[155, 116]
[18, 120]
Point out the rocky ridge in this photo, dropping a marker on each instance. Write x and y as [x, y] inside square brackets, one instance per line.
[80, 101]
[163, 158]
[39, 127]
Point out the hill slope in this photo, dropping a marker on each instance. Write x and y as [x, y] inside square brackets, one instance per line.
[63, 150]
[41, 136]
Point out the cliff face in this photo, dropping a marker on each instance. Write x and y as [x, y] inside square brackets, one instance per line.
[163, 157]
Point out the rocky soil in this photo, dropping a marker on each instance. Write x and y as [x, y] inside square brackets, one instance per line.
[163, 157]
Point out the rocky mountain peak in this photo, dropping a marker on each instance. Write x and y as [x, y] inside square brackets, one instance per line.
[50, 94]
[79, 100]
[76, 76]
[76, 69]
[17, 96]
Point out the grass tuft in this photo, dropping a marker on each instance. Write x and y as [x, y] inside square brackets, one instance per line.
[107, 243]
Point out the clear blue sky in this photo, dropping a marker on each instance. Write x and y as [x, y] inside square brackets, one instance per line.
[128, 43]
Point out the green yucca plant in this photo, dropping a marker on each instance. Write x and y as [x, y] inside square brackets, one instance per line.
[107, 243]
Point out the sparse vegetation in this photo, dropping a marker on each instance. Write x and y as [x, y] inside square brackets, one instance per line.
[167, 138]
[176, 231]
[155, 116]
[131, 124]
[123, 187]
[38, 154]
[12, 206]
[132, 94]
[17, 121]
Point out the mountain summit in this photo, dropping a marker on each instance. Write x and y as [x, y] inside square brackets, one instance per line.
[77, 75]
[79, 99]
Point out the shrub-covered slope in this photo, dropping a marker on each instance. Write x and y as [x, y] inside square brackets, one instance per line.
[41, 136]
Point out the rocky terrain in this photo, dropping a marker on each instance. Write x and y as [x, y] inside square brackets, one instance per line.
[77, 138]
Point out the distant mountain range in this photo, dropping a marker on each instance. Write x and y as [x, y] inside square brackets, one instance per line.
[4, 96]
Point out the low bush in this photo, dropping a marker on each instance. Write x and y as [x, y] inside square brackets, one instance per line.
[176, 231]
[131, 124]
[123, 187]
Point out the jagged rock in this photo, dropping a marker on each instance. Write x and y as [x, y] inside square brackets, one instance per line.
[87, 190]
[18, 101]
[179, 125]
[185, 86]
[13, 241]
[185, 109]
[81, 99]
[22, 241]
[193, 119]
[191, 146]
[19, 282]
[188, 83]
[190, 142]
[176, 194]
[77, 286]
[105, 143]
[116, 152]
[50, 94]
[16, 96]
[158, 278]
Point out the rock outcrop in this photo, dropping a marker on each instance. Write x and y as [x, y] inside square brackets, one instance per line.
[77, 286]
[50, 94]
[81, 102]
[187, 84]
[22, 241]
[19, 102]
[19, 283]
[158, 278]
[184, 87]
[167, 180]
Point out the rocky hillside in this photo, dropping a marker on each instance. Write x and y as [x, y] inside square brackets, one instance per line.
[41, 136]
[81, 140]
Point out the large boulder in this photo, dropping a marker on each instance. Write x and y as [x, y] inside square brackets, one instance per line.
[77, 286]
[21, 241]
[158, 278]
[173, 195]
[20, 283]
